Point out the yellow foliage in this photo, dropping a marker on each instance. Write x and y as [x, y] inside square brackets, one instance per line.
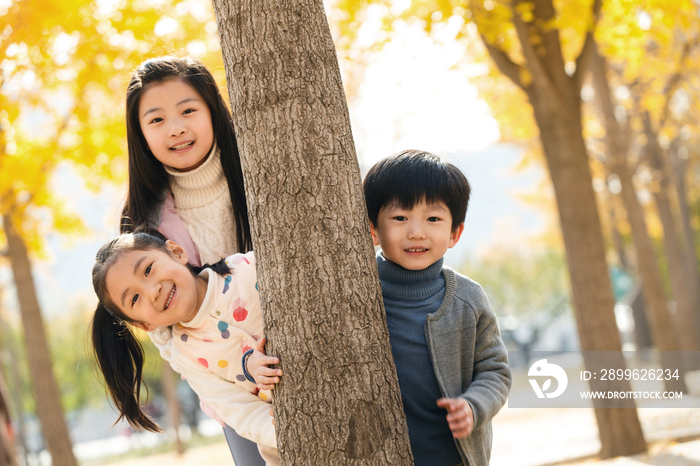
[65, 67]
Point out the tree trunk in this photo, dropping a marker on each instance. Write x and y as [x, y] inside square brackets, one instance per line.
[650, 275]
[679, 165]
[169, 382]
[46, 393]
[339, 400]
[556, 102]
[683, 294]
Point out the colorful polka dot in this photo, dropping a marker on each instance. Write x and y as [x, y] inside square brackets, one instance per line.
[241, 378]
[183, 337]
[223, 363]
[222, 326]
[225, 334]
[207, 340]
[226, 283]
[239, 314]
[246, 348]
[203, 362]
[262, 396]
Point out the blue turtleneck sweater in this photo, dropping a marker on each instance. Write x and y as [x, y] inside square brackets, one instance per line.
[409, 296]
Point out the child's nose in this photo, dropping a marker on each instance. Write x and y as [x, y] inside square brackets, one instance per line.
[416, 231]
[177, 129]
[156, 292]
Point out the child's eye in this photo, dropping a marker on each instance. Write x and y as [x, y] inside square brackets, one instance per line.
[188, 111]
[133, 300]
[400, 218]
[156, 120]
[148, 270]
[434, 219]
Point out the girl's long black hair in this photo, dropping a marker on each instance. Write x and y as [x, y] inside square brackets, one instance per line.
[148, 180]
[117, 350]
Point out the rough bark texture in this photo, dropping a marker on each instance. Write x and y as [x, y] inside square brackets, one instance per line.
[46, 393]
[339, 401]
[662, 328]
[555, 99]
[683, 293]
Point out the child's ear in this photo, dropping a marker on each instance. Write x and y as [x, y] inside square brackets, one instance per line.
[373, 230]
[177, 250]
[455, 235]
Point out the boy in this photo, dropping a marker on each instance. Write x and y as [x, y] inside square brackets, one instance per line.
[444, 337]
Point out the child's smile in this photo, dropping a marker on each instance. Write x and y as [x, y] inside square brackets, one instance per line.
[154, 288]
[176, 123]
[415, 238]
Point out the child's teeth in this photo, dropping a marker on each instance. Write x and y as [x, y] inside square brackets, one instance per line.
[182, 146]
[170, 298]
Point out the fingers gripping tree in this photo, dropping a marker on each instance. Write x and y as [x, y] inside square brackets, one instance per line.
[339, 400]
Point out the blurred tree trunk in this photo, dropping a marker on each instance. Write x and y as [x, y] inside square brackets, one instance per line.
[686, 307]
[662, 328]
[169, 382]
[339, 401]
[556, 102]
[679, 165]
[45, 388]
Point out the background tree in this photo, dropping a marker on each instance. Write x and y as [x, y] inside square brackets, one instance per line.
[58, 94]
[318, 281]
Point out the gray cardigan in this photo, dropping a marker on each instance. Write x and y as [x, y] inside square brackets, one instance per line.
[469, 359]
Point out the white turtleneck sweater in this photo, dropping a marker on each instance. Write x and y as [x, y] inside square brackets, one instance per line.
[203, 202]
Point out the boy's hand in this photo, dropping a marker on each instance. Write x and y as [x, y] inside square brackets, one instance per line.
[459, 416]
[257, 363]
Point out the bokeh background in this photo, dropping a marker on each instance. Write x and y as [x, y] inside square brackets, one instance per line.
[417, 75]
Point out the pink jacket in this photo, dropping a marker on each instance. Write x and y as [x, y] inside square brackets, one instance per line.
[172, 226]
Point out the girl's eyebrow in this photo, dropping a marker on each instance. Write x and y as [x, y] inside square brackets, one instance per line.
[136, 269]
[155, 109]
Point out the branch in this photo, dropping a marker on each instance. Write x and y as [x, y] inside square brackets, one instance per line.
[535, 66]
[505, 64]
[588, 45]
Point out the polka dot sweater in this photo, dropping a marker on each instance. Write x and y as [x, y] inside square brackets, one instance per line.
[227, 324]
[207, 351]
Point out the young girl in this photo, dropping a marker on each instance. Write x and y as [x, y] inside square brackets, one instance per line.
[185, 177]
[144, 281]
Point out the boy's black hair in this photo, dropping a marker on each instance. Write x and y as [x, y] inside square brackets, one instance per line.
[411, 176]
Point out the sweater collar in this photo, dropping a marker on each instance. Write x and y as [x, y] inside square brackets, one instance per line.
[200, 186]
[400, 282]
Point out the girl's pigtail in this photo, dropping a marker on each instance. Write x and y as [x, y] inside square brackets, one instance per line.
[120, 358]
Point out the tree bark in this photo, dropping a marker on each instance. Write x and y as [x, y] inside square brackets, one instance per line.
[46, 393]
[655, 304]
[683, 294]
[339, 399]
[555, 99]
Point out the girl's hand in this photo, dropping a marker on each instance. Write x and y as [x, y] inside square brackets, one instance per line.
[257, 363]
[459, 416]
